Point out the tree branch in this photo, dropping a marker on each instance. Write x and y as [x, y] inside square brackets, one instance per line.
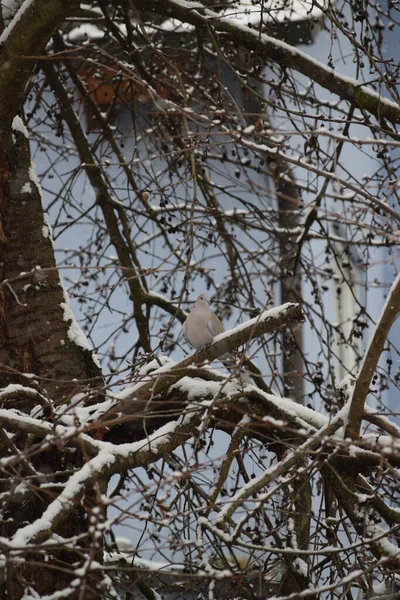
[285, 55]
[26, 35]
[161, 379]
[110, 460]
[291, 459]
[371, 358]
[100, 186]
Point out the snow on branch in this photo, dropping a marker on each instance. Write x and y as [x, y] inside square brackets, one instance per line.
[162, 378]
[284, 54]
[12, 24]
[269, 475]
[109, 460]
[226, 400]
[25, 37]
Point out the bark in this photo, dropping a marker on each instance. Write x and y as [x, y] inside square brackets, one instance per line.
[34, 336]
[292, 337]
[35, 339]
[26, 36]
[37, 335]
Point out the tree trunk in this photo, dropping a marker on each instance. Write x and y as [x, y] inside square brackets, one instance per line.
[41, 345]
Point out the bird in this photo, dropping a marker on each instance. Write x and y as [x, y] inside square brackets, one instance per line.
[201, 327]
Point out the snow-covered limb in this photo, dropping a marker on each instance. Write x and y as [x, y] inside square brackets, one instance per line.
[71, 436]
[270, 410]
[284, 54]
[162, 378]
[373, 416]
[371, 358]
[266, 412]
[26, 36]
[256, 485]
[387, 548]
[12, 24]
[12, 391]
[110, 460]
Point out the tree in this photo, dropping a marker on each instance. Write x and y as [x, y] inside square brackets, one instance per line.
[185, 147]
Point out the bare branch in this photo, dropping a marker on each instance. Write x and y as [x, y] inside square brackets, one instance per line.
[284, 54]
[371, 358]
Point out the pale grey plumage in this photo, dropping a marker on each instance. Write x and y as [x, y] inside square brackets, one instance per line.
[200, 328]
[201, 325]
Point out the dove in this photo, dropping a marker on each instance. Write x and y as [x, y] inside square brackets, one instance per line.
[201, 325]
[200, 328]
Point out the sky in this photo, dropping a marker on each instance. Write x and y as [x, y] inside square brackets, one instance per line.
[67, 241]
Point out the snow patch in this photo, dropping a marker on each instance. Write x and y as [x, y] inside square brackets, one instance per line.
[9, 29]
[33, 178]
[75, 333]
[47, 231]
[177, 26]
[195, 388]
[26, 188]
[18, 125]
[88, 31]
